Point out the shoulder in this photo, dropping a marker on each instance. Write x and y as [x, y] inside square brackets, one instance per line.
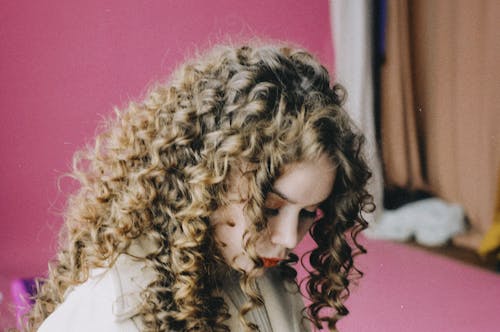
[108, 301]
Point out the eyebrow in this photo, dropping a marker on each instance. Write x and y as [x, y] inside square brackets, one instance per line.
[285, 197]
[282, 196]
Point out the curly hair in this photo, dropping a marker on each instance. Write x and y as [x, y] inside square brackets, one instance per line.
[162, 166]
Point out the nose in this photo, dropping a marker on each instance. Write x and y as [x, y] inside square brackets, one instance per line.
[284, 230]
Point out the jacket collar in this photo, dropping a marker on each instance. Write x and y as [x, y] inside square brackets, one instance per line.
[282, 300]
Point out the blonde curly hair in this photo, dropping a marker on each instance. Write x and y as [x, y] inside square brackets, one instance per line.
[162, 166]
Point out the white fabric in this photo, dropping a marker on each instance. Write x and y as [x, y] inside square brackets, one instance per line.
[353, 69]
[110, 299]
[96, 305]
[431, 221]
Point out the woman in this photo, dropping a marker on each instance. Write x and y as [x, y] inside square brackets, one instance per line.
[192, 200]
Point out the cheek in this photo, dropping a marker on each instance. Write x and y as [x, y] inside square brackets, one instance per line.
[229, 228]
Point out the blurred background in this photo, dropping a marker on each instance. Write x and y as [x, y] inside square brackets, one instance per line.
[422, 80]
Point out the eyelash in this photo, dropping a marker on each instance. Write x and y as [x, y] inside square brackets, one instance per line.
[303, 213]
[308, 214]
[271, 212]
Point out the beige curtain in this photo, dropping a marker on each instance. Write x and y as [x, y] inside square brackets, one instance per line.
[440, 103]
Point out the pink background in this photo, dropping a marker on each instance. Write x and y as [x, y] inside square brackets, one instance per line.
[410, 290]
[65, 64]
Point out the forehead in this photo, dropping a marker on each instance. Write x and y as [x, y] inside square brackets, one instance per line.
[307, 182]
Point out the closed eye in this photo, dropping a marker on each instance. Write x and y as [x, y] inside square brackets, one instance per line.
[306, 214]
[271, 212]
[318, 214]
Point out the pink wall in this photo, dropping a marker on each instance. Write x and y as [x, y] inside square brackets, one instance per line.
[64, 65]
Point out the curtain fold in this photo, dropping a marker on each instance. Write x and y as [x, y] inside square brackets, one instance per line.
[399, 136]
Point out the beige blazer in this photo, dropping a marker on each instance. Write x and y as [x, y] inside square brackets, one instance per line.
[109, 300]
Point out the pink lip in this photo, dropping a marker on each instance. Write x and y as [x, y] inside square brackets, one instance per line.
[271, 261]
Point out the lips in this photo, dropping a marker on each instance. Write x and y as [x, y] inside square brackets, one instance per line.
[271, 261]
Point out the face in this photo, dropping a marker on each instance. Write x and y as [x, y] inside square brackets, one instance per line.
[291, 208]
